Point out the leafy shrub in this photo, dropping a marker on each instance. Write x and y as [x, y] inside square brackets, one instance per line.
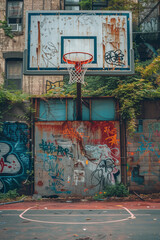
[117, 190]
[11, 194]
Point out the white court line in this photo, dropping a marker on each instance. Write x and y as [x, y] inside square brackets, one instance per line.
[86, 223]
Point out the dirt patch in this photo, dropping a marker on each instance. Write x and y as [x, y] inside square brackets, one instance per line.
[131, 197]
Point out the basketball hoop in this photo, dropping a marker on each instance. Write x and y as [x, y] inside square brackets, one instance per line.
[76, 62]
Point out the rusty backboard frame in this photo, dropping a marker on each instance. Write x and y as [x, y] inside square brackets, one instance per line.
[106, 35]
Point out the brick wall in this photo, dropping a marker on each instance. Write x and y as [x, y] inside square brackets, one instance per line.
[143, 162]
[30, 84]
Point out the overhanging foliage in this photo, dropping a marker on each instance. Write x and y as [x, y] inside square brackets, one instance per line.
[128, 90]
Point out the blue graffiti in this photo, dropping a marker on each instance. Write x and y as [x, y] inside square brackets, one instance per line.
[49, 147]
[136, 177]
[58, 187]
[52, 156]
[147, 145]
[14, 157]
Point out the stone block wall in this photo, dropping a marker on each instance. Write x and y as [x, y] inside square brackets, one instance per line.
[143, 162]
[30, 84]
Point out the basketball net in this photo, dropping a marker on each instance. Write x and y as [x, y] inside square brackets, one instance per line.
[77, 68]
[76, 73]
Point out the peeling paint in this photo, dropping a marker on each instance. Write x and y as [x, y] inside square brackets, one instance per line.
[76, 156]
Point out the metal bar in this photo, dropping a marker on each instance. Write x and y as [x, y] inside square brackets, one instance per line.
[66, 109]
[90, 109]
[117, 110]
[123, 152]
[79, 102]
[35, 106]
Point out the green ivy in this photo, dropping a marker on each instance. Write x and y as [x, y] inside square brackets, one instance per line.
[8, 100]
[85, 4]
[11, 194]
[128, 90]
[7, 29]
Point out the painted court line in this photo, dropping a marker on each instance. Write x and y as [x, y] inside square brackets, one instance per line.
[131, 216]
[75, 215]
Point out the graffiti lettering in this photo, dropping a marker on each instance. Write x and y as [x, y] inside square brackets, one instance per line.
[14, 160]
[105, 173]
[53, 164]
[147, 145]
[70, 132]
[49, 147]
[49, 52]
[102, 151]
[9, 163]
[114, 57]
[16, 132]
[52, 85]
[66, 156]
[58, 187]
[150, 26]
[111, 135]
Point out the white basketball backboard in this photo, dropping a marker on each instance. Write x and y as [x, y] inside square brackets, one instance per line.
[104, 34]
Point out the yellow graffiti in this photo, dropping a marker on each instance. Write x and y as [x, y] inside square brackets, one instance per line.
[112, 135]
[112, 140]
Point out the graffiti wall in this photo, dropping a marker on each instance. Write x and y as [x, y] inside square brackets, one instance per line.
[14, 155]
[76, 158]
[143, 163]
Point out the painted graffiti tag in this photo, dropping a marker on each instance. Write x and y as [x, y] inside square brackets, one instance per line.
[52, 85]
[72, 133]
[114, 57]
[102, 151]
[49, 52]
[49, 147]
[154, 128]
[106, 171]
[143, 163]
[14, 160]
[133, 171]
[104, 174]
[150, 26]
[111, 135]
[52, 163]
[17, 133]
[69, 158]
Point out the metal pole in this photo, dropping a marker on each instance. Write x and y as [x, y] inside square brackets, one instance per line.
[79, 102]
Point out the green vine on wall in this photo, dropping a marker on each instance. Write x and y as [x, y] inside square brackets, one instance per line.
[9, 99]
[130, 91]
[7, 29]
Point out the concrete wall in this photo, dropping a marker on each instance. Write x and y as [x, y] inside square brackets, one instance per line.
[76, 158]
[31, 84]
[143, 151]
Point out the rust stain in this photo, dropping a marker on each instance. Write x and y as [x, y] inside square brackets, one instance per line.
[38, 49]
[32, 60]
[104, 51]
[40, 183]
[106, 20]
[115, 32]
[123, 22]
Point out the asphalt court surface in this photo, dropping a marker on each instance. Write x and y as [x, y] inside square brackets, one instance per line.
[80, 224]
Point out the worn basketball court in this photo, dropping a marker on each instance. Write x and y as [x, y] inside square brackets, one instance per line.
[80, 220]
